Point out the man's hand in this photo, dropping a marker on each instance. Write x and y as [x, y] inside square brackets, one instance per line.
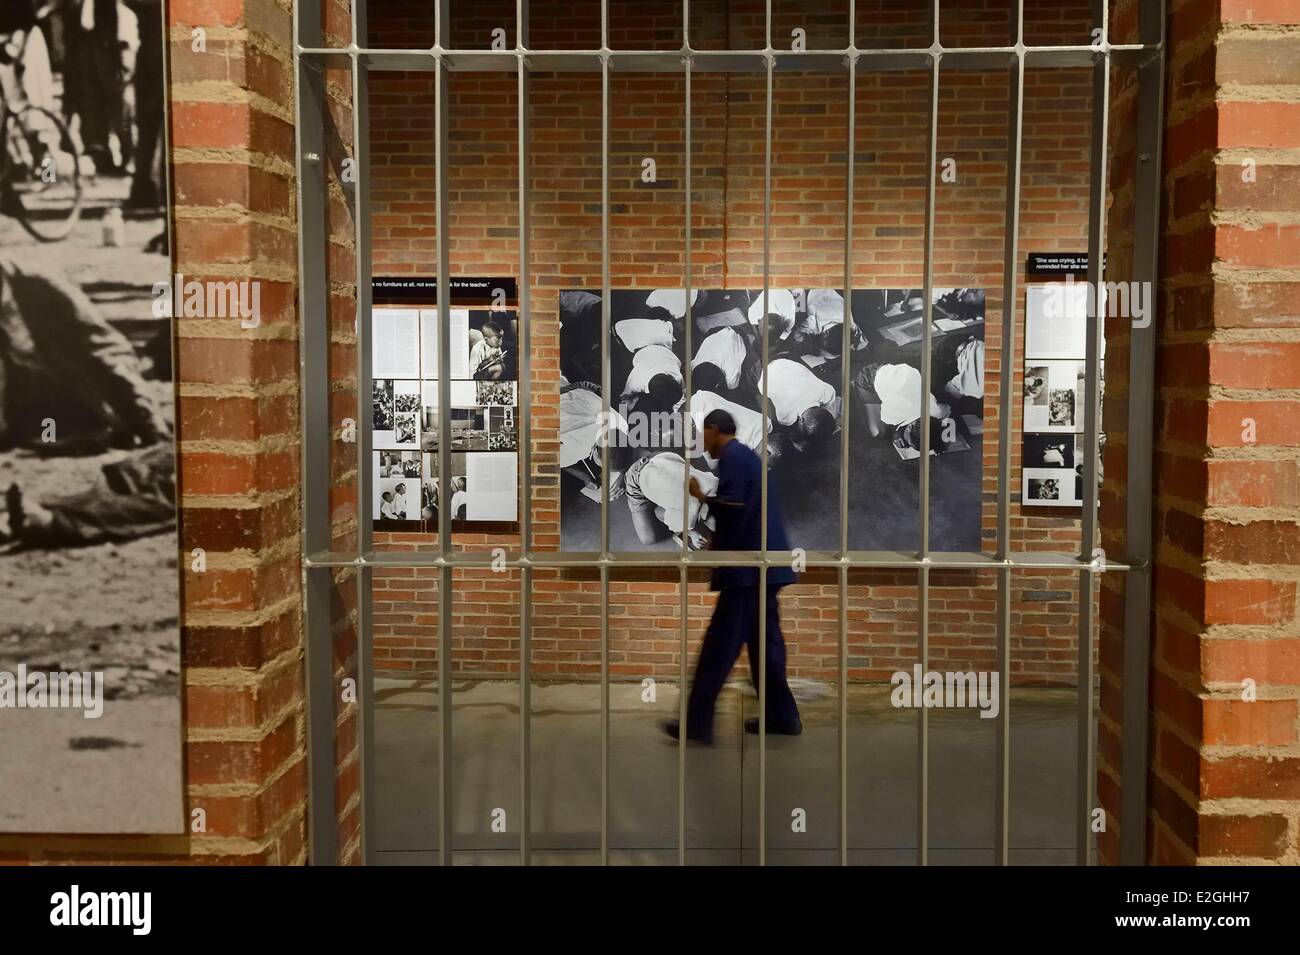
[695, 492]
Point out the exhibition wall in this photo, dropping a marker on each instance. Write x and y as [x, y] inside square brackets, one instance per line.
[647, 236]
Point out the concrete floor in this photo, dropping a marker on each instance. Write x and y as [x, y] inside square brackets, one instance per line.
[722, 780]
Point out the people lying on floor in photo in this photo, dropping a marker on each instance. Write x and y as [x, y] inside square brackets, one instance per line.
[580, 351]
[487, 357]
[888, 400]
[709, 377]
[656, 496]
[890, 395]
[780, 344]
[132, 498]
[959, 363]
[649, 363]
[750, 424]
[779, 302]
[656, 328]
[581, 435]
[671, 300]
[61, 360]
[792, 388]
[822, 329]
[724, 350]
[651, 414]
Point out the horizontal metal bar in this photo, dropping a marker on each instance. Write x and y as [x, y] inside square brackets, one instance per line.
[725, 61]
[953, 560]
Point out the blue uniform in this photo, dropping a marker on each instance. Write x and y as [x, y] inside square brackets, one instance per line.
[738, 512]
[737, 509]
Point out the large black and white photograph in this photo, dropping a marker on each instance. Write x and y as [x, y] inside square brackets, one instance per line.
[801, 415]
[90, 710]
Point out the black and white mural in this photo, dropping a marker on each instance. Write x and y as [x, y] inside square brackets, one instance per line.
[652, 425]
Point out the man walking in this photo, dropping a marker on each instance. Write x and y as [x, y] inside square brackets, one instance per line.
[737, 509]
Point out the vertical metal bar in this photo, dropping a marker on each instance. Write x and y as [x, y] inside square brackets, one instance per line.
[313, 372]
[442, 221]
[688, 433]
[1091, 419]
[525, 387]
[769, 62]
[923, 470]
[1010, 293]
[1141, 400]
[361, 221]
[846, 350]
[604, 447]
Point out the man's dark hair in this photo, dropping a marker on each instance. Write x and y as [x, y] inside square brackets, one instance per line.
[912, 435]
[494, 328]
[833, 340]
[706, 376]
[664, 391]
[659, 314]
[721, 420]
[817, 425]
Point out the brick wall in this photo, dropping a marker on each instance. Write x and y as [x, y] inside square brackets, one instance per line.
[647, 238]
[1224, 777]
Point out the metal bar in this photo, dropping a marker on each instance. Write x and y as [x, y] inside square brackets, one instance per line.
[923, 470]
[1010, 294]
[365, 636]
[604, 446]
[1085, 781]
[747, 60]
[846, 350]
[688, 432]
[525, 387]
[443, 224]
[945, 560]
[1141, 401]
[763, 504]
[313, 357]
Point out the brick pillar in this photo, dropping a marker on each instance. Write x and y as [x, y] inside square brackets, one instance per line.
[1225, 773]
[232, 152]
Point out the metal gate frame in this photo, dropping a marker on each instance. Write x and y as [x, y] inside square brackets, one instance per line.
[319, 562]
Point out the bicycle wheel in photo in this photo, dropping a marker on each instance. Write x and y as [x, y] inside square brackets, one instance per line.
[41, 183]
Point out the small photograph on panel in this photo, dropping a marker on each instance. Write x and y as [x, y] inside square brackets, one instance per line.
[1049, 451]
[501, 429]
[469, 429]
[382, 405]
[1050, 487]
[396, 495]
[1054, 393]
[493, 340]
[495, 393]
[396, 404]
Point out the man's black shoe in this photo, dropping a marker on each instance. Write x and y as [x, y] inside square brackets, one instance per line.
[751, 726]
[674, 729]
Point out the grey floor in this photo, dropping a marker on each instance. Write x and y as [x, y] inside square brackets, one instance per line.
[722, 803]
